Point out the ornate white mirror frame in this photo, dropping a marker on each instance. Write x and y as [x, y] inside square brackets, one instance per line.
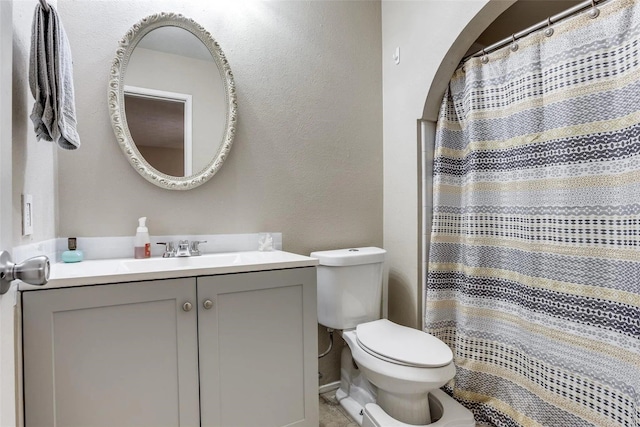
[117, 101]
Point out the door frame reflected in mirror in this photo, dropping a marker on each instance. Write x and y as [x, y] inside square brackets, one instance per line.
[165, 96]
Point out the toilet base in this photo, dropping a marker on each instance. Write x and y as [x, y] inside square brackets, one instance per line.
[358, 397]
[358, 400]
[355, 390]
[445, 412]
[353, 408]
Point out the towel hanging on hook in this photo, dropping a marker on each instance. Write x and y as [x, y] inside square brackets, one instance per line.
[45, 5]
[51, 80]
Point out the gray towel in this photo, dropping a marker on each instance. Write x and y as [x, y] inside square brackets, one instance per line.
[51, 81]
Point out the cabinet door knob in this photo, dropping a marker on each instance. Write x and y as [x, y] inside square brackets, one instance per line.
[208, 304]
[187, 306]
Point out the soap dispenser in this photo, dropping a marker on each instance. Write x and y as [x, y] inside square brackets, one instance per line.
[142, 245]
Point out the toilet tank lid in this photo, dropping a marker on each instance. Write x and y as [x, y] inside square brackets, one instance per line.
[351, 256]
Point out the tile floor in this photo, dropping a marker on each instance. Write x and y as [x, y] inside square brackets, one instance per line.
[332, 414]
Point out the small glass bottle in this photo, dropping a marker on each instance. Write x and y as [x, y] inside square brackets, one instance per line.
[73, 254]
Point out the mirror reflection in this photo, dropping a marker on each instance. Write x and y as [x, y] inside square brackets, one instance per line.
[175, 103]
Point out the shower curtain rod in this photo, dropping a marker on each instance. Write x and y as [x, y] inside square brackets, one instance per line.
[546, 23]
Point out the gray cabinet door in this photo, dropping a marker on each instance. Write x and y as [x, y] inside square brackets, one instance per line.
[258, 349]
[111, 355]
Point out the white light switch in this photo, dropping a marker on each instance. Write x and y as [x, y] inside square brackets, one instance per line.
[27, 214]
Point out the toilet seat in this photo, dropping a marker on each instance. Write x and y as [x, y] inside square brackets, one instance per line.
[401, 345]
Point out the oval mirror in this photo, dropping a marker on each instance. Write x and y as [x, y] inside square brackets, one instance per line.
[172, 101]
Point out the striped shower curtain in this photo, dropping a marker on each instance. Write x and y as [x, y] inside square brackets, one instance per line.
[534, 261]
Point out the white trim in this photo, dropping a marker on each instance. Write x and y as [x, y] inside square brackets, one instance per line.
[427, 149]
[326, 388]
[10, 365]
[187, 100]
[6, 113]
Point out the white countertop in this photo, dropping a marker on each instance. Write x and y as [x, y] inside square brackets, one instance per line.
[93, 272]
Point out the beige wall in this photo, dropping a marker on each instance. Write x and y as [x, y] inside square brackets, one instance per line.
[32, 170]
[34, 162]
[307, 157]
[432, 36]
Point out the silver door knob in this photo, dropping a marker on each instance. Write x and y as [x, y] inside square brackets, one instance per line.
[34, 271]
[187, 306]
[207, 304]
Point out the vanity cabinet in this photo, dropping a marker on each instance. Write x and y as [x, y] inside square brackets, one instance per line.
[111, 355]
[258, 349]
[225, 350]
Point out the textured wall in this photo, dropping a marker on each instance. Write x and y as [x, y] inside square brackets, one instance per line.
[432, 36]
[307, 157]
[32, 171]
[34, 162]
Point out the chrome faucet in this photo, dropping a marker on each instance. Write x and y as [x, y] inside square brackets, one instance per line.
[183, 249]
[195, 248]
[169, 249]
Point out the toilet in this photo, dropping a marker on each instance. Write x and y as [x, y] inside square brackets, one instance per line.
[390, 374]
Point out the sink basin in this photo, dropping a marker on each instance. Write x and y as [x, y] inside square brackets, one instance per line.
[202, 261]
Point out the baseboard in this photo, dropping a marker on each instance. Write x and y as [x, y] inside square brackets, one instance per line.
[325, 388]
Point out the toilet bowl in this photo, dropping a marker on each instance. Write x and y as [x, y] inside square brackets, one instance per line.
[402, 359]
[406, 367]
[390, 374]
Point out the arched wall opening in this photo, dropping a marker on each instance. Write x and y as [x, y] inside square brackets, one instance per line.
[512, 16]
[432, 37]
[495, 21]
[427, 130]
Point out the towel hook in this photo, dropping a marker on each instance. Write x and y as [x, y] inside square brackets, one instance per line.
[549, 31]
[514, 45]
[485, 58]
[45, 5]
[594, 12]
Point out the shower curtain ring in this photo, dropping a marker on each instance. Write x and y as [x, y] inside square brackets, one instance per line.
[549, 31]
[485, 58]
[514, 45]
[594, 12]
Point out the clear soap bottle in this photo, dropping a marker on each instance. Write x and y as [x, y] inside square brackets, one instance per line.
[142, 244]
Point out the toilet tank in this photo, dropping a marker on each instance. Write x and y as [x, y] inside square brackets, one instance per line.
[349, 286]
